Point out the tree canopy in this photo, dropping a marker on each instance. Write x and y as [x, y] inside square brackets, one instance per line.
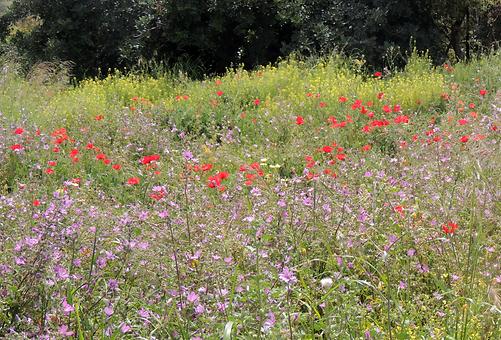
[215, 34]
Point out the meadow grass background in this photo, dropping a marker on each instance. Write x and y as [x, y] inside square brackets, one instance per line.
[311, 230]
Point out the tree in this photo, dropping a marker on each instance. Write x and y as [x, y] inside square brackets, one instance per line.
[212, 34]
[86, 32]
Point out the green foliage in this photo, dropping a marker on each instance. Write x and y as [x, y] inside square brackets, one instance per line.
[87, 33]
[206, 37]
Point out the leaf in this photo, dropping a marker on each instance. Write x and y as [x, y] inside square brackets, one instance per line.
[227, 330]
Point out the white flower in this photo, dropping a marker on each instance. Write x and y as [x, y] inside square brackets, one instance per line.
[326, 282]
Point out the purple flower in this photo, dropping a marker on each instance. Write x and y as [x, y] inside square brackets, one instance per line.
[112, 284]
[199, 309]
[125, 328]
[67, 308]
[108, 310]
[287, 276]
[163, 214]
[61, 273]
[192, 297]
[269, 322]
[221, 306]
[187, 155]
[143, 313]
[65, 332]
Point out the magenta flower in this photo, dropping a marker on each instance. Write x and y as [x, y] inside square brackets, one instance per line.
[192, 297]
[65, 332]
[61, 273]
[67, 308]
[287, 276]
[125, 328]
[108, 310]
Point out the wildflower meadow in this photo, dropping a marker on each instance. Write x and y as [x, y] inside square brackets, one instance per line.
[304, 200]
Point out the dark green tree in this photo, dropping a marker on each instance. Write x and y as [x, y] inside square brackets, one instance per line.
[89, 33]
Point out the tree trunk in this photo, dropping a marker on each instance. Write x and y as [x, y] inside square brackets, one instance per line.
[456, 38]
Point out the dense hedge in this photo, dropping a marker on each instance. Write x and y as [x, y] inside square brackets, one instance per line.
[212, 35]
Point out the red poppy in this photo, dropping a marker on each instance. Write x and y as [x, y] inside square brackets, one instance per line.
[356, 105]
[463, 121]
[16, 147]
[133, 181]
[116, 167]
[450, 228]
[322, 104]
[157, 196]
[366, 147]
[59, 132]
[401, 119]
[483, 92]
[299, 120]
[250, 176]
[100, 156]
[52, 163]
[327, 149]
[311, 175]
[342, 99]
[36, 203]
[206, 167]
[223, 175]
[49, 171]
[386, 109]
[341, 156]
[257, 101]
[18, 131]
[464, 139]
[149, 159]
[380, 95]
[219, 93]
[378, 74]
[74, 153]
[100, 117]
